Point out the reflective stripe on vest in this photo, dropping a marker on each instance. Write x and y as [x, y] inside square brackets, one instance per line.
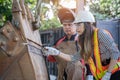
[97, 69]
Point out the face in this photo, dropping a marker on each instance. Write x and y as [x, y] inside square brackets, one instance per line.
[69, 28]
[80, 28]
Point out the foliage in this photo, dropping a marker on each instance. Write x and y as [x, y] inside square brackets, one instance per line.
[5, 11]
[46, 22]
[50, 23]
[106, 9]
[31, 4]
[6, 14]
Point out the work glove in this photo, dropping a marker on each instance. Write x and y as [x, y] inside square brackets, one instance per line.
[51, 51]
[89, 77]
[106, 76]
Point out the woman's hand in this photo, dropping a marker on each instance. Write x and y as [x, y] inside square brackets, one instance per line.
[106, 76]
[89, 77]
[51, 51]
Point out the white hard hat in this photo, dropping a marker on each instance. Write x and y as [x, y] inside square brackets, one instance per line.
[84, 16]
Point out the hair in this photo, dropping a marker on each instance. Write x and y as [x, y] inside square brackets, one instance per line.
[85, 41]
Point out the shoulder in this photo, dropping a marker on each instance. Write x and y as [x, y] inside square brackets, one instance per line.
[104, 35]
[59, 40]
[103, 31]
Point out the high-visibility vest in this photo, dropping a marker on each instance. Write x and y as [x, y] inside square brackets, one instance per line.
[97, 70]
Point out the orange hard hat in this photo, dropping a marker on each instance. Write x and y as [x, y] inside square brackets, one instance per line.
[66, 15]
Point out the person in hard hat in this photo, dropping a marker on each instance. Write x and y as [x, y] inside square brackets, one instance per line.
[67, 70]
[97, 48]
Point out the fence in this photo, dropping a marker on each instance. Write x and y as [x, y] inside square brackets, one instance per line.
[49, 37]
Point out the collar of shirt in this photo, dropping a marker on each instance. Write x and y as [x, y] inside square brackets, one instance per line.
[71, 38]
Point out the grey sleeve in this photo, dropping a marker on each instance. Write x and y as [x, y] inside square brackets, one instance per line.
[108, 42]
[76, 57]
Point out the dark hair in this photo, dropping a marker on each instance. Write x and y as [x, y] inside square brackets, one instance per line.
[85, 41]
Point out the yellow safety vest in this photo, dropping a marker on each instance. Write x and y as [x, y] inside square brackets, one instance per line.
[97, 69]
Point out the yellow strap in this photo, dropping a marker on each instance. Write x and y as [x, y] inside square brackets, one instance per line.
[93, 68]
[96, 70]
[96, 50]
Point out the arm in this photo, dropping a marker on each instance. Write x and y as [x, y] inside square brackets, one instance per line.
[107, 42]
[73, 58]
[112, 51]
[65, 56]
[112, 64]
[54, 52]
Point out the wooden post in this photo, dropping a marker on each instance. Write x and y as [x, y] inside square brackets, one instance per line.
[37, 60]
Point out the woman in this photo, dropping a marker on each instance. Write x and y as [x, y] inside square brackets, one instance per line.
[97, 48]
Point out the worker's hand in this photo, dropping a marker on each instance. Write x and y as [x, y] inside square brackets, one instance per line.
[51, 51]
[106, 76]
[89, 77]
